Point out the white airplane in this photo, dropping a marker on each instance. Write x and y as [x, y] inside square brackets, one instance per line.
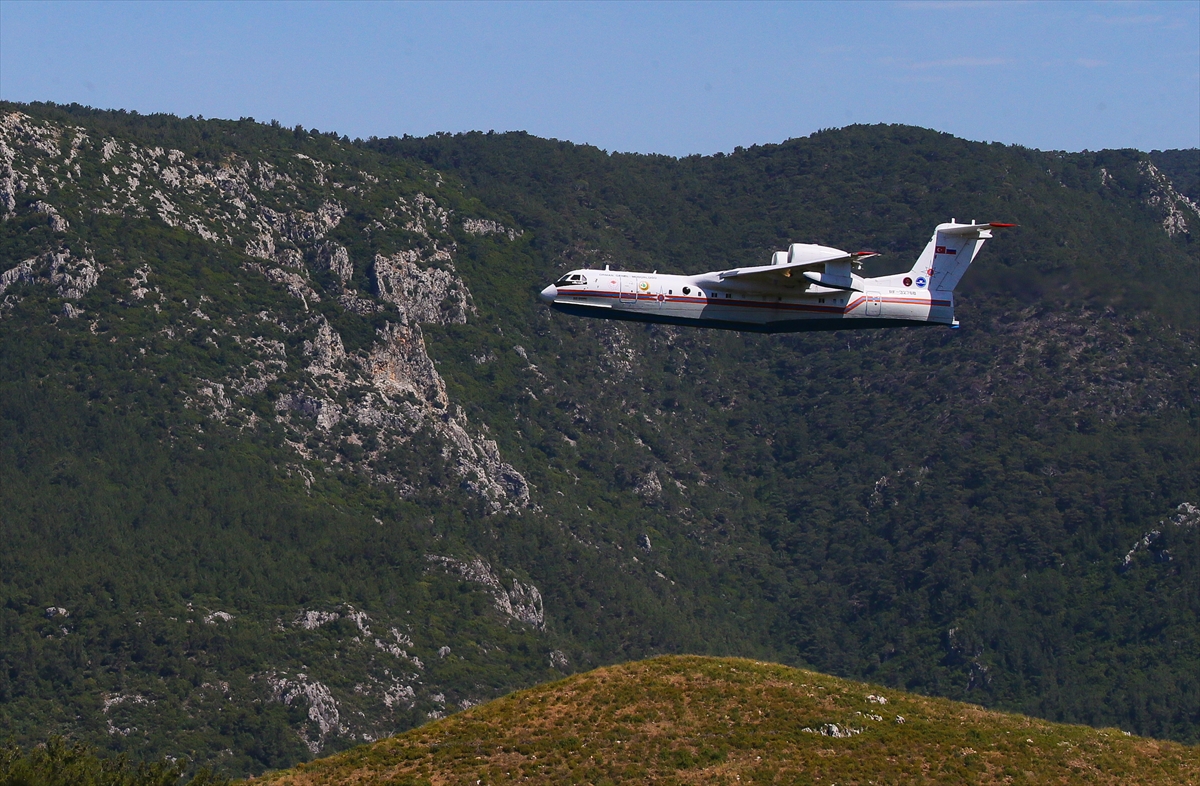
[807, 287]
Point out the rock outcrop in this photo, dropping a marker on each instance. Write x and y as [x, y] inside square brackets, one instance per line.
[521, 602]
[388, 392]
[1178, 210]
[323, 710]
[72, 277]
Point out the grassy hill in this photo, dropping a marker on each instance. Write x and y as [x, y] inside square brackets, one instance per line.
[695, 720]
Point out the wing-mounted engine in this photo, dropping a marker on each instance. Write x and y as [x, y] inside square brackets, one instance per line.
[807, 265]
[840, 273]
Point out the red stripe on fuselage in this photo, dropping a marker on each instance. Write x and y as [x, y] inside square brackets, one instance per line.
[741, 303]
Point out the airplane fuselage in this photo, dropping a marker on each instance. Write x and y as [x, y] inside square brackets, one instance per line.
[707, 301]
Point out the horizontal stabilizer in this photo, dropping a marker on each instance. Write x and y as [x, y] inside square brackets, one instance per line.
[971, 229]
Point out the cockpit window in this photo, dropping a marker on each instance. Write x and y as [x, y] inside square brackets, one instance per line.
[571, 280]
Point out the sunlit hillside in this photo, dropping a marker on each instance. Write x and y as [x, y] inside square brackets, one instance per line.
[694, 720]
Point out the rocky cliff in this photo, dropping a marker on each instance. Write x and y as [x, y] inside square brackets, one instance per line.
[384, 393]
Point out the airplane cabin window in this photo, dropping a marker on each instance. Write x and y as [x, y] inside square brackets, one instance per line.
[687, 290]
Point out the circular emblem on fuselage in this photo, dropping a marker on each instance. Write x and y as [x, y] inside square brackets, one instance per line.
[921, 281]
[907, 282]
[644, 286]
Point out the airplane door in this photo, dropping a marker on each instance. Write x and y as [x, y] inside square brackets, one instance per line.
[874, 303]
[628, 289]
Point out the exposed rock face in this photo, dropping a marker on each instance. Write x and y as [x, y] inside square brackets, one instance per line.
[302, 227]
[72, 277]
[478, 461]
[649, 487]
[482, 226]
[22, 143]
[389, 391]
[1157, 541]
[57, 222]
[422, 294]
[22, 273]
[389, 678]
[326, 350]
[833, 730]
[356, 401]
[335, 259]
[313, 619]
[400, 366]
[1178, 209]
[322, 707]
[521, 602]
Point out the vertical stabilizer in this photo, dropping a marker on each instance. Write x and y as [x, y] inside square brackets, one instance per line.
[950, 252]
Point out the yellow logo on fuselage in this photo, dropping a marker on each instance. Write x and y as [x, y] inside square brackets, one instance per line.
[644, 286]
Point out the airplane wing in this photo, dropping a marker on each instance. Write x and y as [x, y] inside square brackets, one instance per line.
[802, 258]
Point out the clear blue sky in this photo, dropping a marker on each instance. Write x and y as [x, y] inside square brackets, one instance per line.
[674, 78]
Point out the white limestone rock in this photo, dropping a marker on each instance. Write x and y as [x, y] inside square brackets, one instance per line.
[483, 226]
[398, 364]
[22, 273]
[334, 258]
[649, 487]
[57, 222]
[72, 277]
[326, 350]
[521, 602]
[423, 294]
[1178, 210]
[323, 710]
[313, 619]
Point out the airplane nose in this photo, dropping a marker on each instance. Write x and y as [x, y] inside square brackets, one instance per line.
[549, 293]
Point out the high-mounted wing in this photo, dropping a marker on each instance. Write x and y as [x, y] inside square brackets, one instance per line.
[821, 265]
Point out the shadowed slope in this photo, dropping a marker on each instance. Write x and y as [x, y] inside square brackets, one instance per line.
[724, 720]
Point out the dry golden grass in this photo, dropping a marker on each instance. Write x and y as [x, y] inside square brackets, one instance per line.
[693, 720]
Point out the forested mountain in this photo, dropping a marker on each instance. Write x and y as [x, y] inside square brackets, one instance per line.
[291, 456]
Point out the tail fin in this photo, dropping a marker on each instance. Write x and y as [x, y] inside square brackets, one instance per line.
[950, 252]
